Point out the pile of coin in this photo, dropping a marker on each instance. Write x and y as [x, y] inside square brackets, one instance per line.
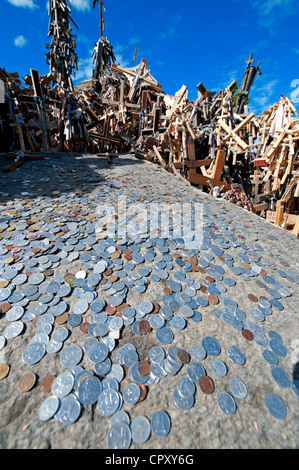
[36, 242]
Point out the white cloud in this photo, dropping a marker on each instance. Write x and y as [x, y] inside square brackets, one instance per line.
[85, 68]
[23, 3]
[81, 5]
[20, 41]
[121, 61]
[263, 95]
[270, 11]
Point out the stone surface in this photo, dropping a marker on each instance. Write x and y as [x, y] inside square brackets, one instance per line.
[55, 185]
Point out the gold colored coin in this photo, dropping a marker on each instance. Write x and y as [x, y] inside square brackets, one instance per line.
[27, 382]
[4, 369]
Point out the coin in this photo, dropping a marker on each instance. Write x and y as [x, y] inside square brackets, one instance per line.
[247, 334]
[213, 299]
[206, 384]
[4, 369]
[46, 383]
[141, 429]
[48, 408]
[143, 392]
[27, 382]
[160, 423]
[144, 327]
[143, 368]
[182, 356]
[84, 327]
[252, 297]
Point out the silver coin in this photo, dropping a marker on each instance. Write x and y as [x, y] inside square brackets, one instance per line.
[63, 384]
[69, 410]
[89, 390]
[108, 402]
[182, 403]
[2, 342]
[238, 388]
[48, 408]
[131, 393]
[34, 352]
[14, 313]
[120, 417]
[186, 387]
[98, 352]
[53, 346]
[160, 423]
[119, 436]
[227, 403]
[13, 330]
[60, 334]
[71, 356]
[219, 368]
[140, 429]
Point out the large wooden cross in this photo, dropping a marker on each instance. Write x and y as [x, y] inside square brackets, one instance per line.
[101, 6]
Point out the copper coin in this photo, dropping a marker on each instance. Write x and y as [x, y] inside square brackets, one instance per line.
[156, 307]
[213, 299]
[193, 261]
[252, 297]
[16, 249]
[108, 272]
[61, 319]
[263, 272]
[209, 279]
[144, 327]
[49, 272]
[120, 308]
[167, 291]
[5, 307]
[206, 384]
[4, 369]
[204, 289]
[143, 368]
[113, 278]
[84, 327]
[195, 269]
[128, 257]
[46, 383]
[27, 382]
[247, 334]
[143, 392]
[182, 356]
[110, 310]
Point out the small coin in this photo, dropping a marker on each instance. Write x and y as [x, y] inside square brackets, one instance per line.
[183, 357]
[252, 297]
[247, 334]
[84, 327]
[213, 299]
[143, 368]
[144, 327]
[206, 384]
[46, 383]
[143, 392]
[27, 382]
[5, 307]
[4, 369]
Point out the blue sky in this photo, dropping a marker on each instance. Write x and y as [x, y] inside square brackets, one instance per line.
[184, 42]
